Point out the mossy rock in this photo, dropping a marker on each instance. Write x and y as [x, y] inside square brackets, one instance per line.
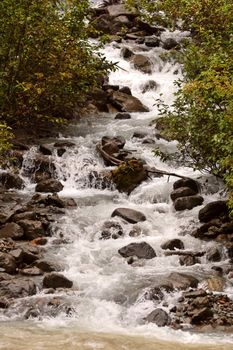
[129, 175]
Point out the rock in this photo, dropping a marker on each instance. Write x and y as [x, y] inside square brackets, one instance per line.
[119, 10]
[45, 150]
[173, 244]
[11, 230]
[130, 215]
[46, 266]
[32, 229]
[42, 167]
[130, 103]
[189, 202]
[7, 263]
[139, 134]
[159, 317]
[111, 229]
[170, 43]
[186, 182]
[123, 116]
[39, 241]
[123, 20]
[51, 200]
[182, 281]
[154, 294]
[141, 250]
[50, 185]
[152, 41]
[213, 210]
[9, 181]
[17, 288]
[213, 254]
[188, 260]
[31, 271]
[61, 151]
[125, 90]
[126, 53]
[195, 294]
[142, 63]
[56, 280]
[117, 140]
[202, 315]
[149, 85]
[111, 148]
[182, 192]
[4, 303]
[129, 175]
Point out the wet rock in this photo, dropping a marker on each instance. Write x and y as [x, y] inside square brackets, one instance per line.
[123, 116]
[50, 185]
[142, 63]
[45, 150]
[4, 303]
[129, 103]
[189, 202]
[119, 10]
[141, 250]
[159, 317]
[99, 180]
[130, 215]
[201, 315]
[39, 241]
[182, 192]
[188, 260]
[17, 288]
[129, 175]
[213, 210]
[186, 182]
[32, 229]
[125, 90]
[111, 229]
[7, 263]
[170, 43]
[50, 200]
[213, 254]
[126, 53]
[42, 167]
[56, 280]
[139, 134]
[152, 41]
[149, 85]
[111, 148]
[154, 294]
[148, 141]
[11, 230]
[182, 281]
[194, 294]
[173, 244]
[46, 266]
[9, 181]
[118, 140]
[31, 271]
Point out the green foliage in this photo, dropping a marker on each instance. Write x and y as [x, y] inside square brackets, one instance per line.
[5, 137]
[201, 118]
[47, 66]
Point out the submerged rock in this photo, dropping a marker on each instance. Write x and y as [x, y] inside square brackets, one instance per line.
[141, 250]
[159, 317]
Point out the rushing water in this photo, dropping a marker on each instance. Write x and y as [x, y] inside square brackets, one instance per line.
[108, 295]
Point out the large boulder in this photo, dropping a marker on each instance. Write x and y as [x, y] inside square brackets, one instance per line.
[129, 175]
[32, 229]
[130, 215]
[120, 10]
[159, 317]
[9, 181]
[185, 182]
[141, 250]
[142, 63]
[213, 210]
[182, 192]
[50, 185]
[11, 230]
[173, 244]
[56, 280]
[189, 202]
[130, 103]
[17, 288]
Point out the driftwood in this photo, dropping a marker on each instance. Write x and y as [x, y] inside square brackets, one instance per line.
[184, 252]
[115, 161]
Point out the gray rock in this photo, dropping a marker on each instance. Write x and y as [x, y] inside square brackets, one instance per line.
[125, 90]
[46, 266]
[130, 215]
[118, 140]
[118, 10]
[149, 85]
[189, 202]
[201, 315]
[182, 192]
[9, 181]
[173, 244]
[159, 317]
[182, 281]
[170, 43]
[126, 53]
[141, 250]
[142, 63]
[11, 230]
[50, 185]
[188, 260]
[213, 210]
[56, 280]
[123, 116]
[7, 263]
[152, 41]
[17, 288]
[111, 229]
